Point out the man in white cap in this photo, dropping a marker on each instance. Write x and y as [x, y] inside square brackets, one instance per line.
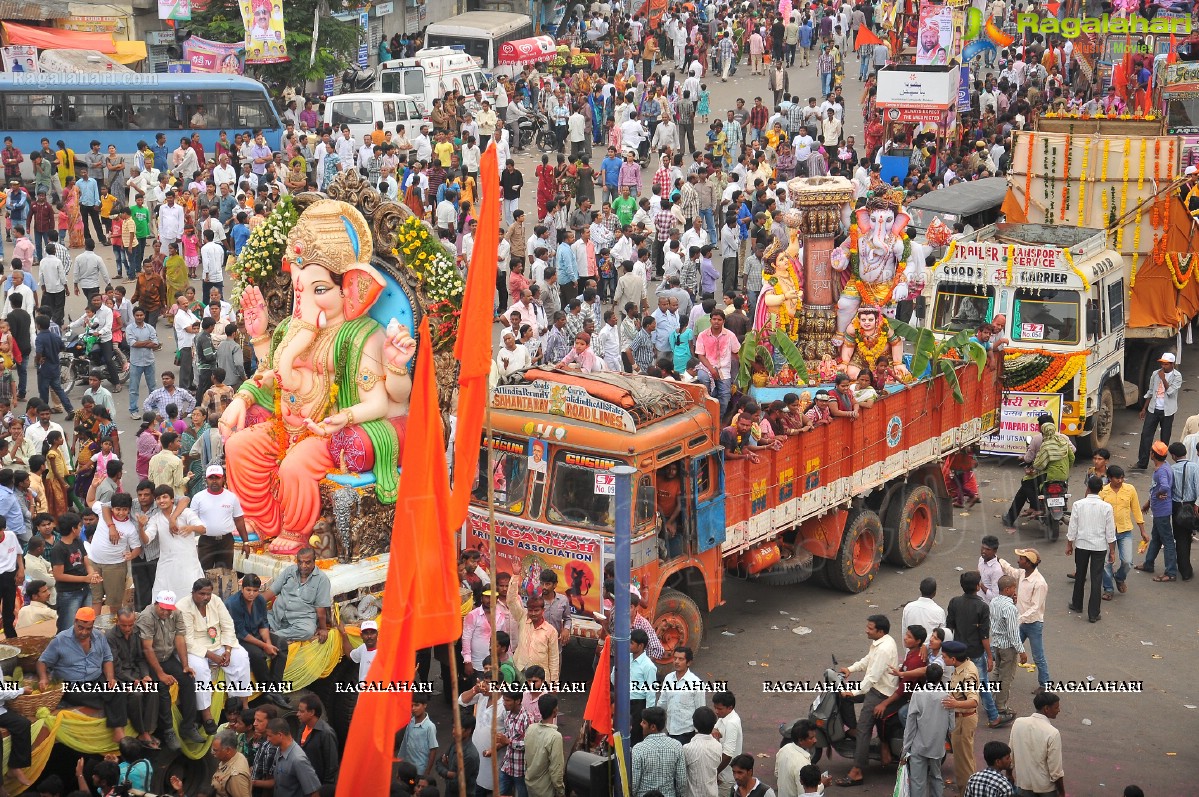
[1159, 407]
[1188, 192]
[1032, 591]
[221, 513]
[364, 654]
[164, 646]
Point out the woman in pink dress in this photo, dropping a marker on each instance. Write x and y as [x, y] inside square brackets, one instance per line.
[70, 203]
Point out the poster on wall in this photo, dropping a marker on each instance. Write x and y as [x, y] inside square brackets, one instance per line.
[19, 58]
[180, 10]
[214, 57]
[265, 36]
[934, 35]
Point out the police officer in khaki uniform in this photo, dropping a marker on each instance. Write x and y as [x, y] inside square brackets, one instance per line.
[963, 700]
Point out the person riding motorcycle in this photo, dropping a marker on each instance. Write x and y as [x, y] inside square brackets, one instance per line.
[1055, 456]
[1027, 494]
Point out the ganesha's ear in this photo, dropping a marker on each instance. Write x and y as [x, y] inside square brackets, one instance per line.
[901, 222]
[361, 285]
[865, 223]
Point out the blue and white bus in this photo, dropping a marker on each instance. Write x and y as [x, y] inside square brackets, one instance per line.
[122, 109]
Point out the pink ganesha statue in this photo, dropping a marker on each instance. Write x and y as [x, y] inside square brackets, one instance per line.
[332, 385]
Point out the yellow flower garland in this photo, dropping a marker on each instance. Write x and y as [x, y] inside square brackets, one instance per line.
[1086, 284]
[1082, 384]
[1011, 256]
[1106, 149]
[871, 352]
[1123, 196]
[1082, 181]
[1179, 279]
[953, 247]
[1067, 373]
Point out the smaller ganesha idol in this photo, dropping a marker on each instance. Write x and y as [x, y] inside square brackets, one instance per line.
[332, 386]
[870, 343]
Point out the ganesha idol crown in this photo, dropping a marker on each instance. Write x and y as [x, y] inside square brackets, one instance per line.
[331, 234]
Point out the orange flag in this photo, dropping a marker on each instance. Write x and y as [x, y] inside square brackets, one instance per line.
[414, 596]
[473, 348]
[865, 37]
[1172, 56]
[1013, 211]
[599, 699]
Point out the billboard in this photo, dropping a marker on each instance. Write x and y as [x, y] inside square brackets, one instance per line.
[265, 37]
[214, 57]
[1018, 420]
[934, 87]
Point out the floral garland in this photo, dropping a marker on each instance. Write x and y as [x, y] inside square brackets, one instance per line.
[1107, 144]
[953, 247]
[1032, 137]
[1082, 181]
[1149, 117]
[1123, 195]
[1066, 180]
[1051, 184]
[263, 251]
[1082, 381]
[1041, 371]
[1011, 257]
[1170, 162]
[1181, 268]
[1086, 285]
[435, 270]
[1136, 222]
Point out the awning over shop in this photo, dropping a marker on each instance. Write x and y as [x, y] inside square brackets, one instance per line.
[528, 51]
[130, 52]
[56, 39]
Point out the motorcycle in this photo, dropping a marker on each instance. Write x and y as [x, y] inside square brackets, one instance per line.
[81, 357]
[1051, 505]
[834, 715]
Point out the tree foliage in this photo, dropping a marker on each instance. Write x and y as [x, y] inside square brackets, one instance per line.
[337, 41]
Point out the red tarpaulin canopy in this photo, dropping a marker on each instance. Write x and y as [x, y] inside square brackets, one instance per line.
[528, 51]
[57, 39]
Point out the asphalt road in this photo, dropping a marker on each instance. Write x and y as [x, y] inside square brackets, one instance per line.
[1147, 634]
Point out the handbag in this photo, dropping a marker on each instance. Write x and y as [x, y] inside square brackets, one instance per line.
[902, 787]
[1185, 519]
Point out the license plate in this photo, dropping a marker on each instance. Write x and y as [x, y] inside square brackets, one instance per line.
[1056, 502]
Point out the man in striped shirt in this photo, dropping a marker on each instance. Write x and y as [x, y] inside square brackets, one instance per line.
[1005, 646]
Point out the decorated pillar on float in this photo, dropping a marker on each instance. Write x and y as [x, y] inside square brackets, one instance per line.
[824, 204]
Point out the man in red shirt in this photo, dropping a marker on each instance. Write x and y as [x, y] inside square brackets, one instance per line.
[757, 119]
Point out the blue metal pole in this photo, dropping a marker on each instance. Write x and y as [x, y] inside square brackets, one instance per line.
[622, 622]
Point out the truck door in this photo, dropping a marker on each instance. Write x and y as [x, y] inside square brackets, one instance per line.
[706, 500]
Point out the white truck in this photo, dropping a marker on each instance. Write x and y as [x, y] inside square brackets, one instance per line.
[1063, 293]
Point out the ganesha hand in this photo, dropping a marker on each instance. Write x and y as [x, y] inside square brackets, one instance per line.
[234, 417]
[253, 308]
[900, 293]
[399, 346]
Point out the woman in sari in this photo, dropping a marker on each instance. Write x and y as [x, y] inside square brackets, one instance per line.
[297, 175]
[147, 444]
[66, 162]
[70, 203]
[332, 164]
[176, 271]
[412, 194]
[197, 426]
[57, 471]
[547, 187]
[107, 428]
[567, 179]
[85, 452]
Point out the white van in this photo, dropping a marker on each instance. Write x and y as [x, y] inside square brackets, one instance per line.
[429, 74]
[480, 33]
[360, 112]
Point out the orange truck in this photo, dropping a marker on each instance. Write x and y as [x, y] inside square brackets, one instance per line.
[832, 503]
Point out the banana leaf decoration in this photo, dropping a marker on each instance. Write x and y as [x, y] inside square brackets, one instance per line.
[929, 355]
[749, 350]
[786, 347]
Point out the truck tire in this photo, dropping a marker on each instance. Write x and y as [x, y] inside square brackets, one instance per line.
[677, 622]
[911, 529]
[1101, 424]
[797, 569]
[860, 553]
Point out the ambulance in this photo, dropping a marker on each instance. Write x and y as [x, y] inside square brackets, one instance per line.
[1063, 293]
[431, 73]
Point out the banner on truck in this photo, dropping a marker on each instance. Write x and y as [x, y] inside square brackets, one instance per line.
[19, 58]
[525, 549]
[265, 37]
[1018, 420]
[215, 57]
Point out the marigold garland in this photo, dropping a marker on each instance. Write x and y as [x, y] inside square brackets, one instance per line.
[953, 247]
[1170, 162]
[1107, 144]
[1011, 256]
[1182, 271]
[1041, 371]
[1082, 181]
[1032, 137]
[871, 352]
[1086, 284]
[1066, 180]
[1123, 195]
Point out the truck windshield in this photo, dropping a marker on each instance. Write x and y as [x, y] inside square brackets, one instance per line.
[573, 500]
[1045, 316]
[510, 473]
[922, 217]
[959, 306]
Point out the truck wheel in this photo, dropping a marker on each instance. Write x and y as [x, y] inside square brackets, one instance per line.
[860, 553]
[1101, 427]
[677, 622]
[911, 528]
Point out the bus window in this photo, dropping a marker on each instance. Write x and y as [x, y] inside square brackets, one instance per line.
[31, 112]
[510, 474]
[251, 111]
[1045, 316]
[647, 501]
[88, 111]
[960, 306]
[572, 497]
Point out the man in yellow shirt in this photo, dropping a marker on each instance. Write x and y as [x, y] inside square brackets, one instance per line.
[1126, 506]
[444, 148]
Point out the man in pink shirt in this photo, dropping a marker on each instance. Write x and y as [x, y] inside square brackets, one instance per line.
[23, 248]
[757, 46]
[715, 348]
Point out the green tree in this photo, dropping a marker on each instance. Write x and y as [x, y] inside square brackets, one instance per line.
[337, 42]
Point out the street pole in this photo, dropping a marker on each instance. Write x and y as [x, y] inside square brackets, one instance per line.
[622, 623]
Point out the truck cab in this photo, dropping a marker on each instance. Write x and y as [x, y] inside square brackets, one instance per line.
[1064, 295]
[547, 462]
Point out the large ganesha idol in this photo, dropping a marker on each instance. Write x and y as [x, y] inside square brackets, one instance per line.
[876, 258]
[332, 385]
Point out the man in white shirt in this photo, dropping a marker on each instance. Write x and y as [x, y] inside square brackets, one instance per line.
[877, 684]
[446, 213]
[422, 146]
[729, 732]
[925, 611]
[224, 173]
[212, 264]
[470, 157]
[90, 271]
[681, 694]
[19, 287]
[793, 757]
[97, 318]
[1091, 538]
[112, 549]
[1037, 748]
[186, 326]
[54, 283]
[221, 513]
[170, 221]
[703, 754]
[344, 146]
